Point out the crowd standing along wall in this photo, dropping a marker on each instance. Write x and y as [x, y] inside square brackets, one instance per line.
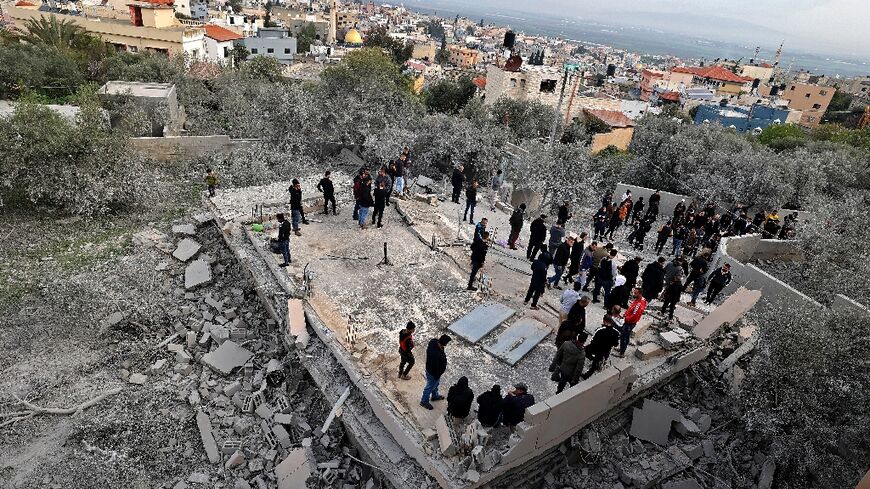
[666, 205]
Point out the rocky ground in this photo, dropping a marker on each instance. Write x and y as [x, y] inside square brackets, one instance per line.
[97, 312]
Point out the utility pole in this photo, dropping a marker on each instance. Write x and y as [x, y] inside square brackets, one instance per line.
[559, 107]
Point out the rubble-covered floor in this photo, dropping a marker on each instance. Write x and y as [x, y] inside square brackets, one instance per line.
[428, 287]
[127, 323]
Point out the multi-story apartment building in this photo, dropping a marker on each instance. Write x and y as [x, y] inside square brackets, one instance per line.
[811, 100]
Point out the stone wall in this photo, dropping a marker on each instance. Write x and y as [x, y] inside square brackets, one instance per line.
[170, 148]
[619, 137]
[666, 205]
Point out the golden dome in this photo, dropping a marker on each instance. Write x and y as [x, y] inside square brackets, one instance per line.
[353, 37]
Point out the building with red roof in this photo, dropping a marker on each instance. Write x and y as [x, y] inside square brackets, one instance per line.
[620, 129]
[718, 78]
[219, 43]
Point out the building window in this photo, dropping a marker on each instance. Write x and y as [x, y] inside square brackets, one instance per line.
[522, 83]
[254, 50]
[269, 50]
[226, 52]
[548, 86]
[133, 49]
[233, 22]
[513, 82]
[823, 92]
[807, 95]
[817, 106]
[792, 87]
[287, 51]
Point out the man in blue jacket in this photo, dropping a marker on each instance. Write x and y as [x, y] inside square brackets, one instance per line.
[436, 364]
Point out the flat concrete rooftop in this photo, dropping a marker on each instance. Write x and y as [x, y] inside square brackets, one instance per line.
[353, 290]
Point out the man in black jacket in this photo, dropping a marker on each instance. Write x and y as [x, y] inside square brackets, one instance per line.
[459, 398]
[718, 280]
[515, 404]
[325, 186]
[653, 279]
[606, 276]
[537, 236]
[284, 239]
[697, 267]
[436, 365]
[478, 255]
[516, 222]
[489, 406]
[630, 270]
[456, 180]
[406, 347]
[564, 212]
[560, 260]
[538, 283]
[598, 350]
[296, 212]
[381, 195]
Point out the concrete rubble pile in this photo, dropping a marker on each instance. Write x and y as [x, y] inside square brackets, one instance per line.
[258, 414]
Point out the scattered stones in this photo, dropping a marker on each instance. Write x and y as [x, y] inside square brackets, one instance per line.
[186, 249]
[227, 357]
[653, 422]
[138, 379]
[197, 273]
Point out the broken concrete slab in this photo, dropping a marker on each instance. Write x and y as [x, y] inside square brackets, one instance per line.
[765, 478]
[293, 471]
[731, 360]
[671, 339]
[649, 350]
[734, 307]
[652, 423]
[518, 340]
[204, 424]
[481, 320]
[296, 323]
[227, 357]
[186, 249]
[446, 437]
[685, 426]
[198, 272]
[138, 379]
[682, 484]
[186, 229]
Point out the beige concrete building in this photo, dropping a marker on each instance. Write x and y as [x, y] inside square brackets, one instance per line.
[811, 100]
[425, 50]
[761, 71]
[294, 21]
[149, 27]
[463, 57]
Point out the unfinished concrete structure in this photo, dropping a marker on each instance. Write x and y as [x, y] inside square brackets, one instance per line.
[358, 288]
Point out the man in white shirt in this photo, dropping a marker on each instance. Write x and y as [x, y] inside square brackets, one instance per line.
[569, 297]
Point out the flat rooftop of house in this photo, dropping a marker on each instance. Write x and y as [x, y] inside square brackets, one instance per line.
[497, 339]
[137, 89]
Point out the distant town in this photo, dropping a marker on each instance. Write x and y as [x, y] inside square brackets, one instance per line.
[747, 94]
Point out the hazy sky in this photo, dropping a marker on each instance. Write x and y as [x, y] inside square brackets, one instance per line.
[822, 26]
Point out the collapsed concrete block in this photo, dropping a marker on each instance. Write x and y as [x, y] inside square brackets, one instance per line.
[671, 339]
[198, 272]
[652, 423]
[204, 424]
[181, 356]
[264, 411]
[281, 435]
[227, 357]
[138, 379]
[446, 437]
[293, 471]
[280, 418]
[704, 422]
[158, 365]
[734, 307]
[765, 478]
[649, 350]
[185, 229]
[686, 426]
[231, 446]
[296, 323]
[709, 449]
[235, 460]
[186, 249]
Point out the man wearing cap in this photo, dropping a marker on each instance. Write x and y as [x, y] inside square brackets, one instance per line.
[478, 256]
[560, 261]
[515, 404]
[603, 340]
[436, 365]
[296, 212]
[537, 236]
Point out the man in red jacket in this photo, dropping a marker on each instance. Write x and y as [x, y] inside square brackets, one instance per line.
[632, 317]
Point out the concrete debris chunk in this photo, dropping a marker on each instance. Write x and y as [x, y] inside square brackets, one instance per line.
[186, 249]
[446, 437]
[734, 307]
[235, 460]
[198, 272]
[670, 339]
[204, 424]
[686, 426]
[186, 229]
[653, 422]
[138, 379]
[649, 350]
[198, 478]
[293, 471]
[683, 484]
[227, 357]
[765, 479]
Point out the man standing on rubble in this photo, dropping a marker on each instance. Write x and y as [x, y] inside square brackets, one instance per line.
[436, 365]
[457, 180]
[296, 212]
[632, 317]
[516, 221]
[325, 186]
[382, 194]
[515, 404]
[284, 239]
[718, 280]
[603, 340]
[406, 345]
[537, 236]
[478, 255]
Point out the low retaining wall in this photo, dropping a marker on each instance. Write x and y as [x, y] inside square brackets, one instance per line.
[169, 148]
[666, 205]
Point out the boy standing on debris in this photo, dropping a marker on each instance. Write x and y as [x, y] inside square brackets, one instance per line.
[478, 255]
[211, 180]
[406, 345]
[436, 365]
[325, 186]
[284, 239]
